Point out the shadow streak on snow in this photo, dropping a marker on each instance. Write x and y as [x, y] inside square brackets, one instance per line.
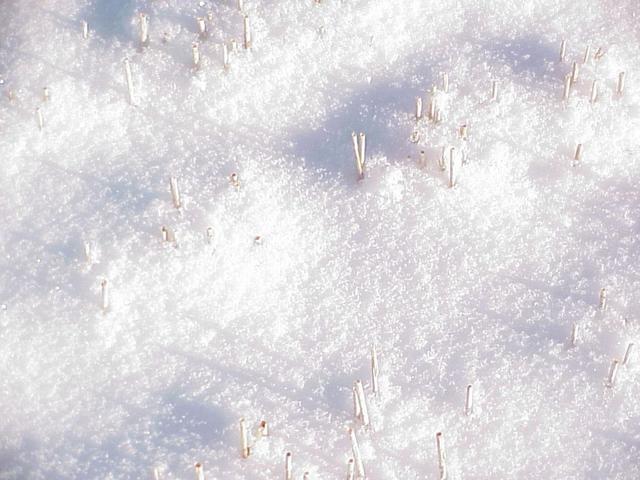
[529, 57]
[110, 19]
[328, 147]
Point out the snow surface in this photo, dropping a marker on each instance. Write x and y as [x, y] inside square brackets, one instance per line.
[479, 284]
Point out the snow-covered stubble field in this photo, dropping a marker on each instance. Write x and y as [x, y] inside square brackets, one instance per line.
[478, 284]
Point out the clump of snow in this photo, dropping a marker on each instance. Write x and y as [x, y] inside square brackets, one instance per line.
[478, 284]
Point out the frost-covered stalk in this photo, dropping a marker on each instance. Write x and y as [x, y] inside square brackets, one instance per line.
[602, 305]
[362, 138]
[144, 29]
[225, 57]
[628, 354]
[199, 468]
[129, 80]
[433, 107]
[442, 158]
[288, 467]
[104, 287]
[452, 167]
[613, 373]
[468, 402]
[575, 70]
[567, 88]
[442, 461]
[357, 412]
[587, 55]
[375, 371]
[577, 156]
[494, 91]
[356, 150]
[575, 332]
[195, 55]
[169, 236]
[350, 469]
[88, 255]
[234, 179]
[594, 92]
[175, 192]
[362, 401]
[620, 86]
[247, 33]
[241, 5]
[46, 96]
[563, 50]
[244, 443]
[356, 454]
[85, 29]
[422, 160]
[463, 131]
[202, 27]
[263, 429]
[40, 118]
[445, 82]
[418, 108]
[208, 235]
[156, 473]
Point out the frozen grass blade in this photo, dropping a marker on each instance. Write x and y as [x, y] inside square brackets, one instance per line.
[85, 30]
[418, 108]
[563, 50]
[452, 168]
[144, 30]
[575, 71]
[175, 192]
[263, 429]
[199, 468]
[129, 80]
[195, 55]
[494, 91]
[468, 402]
[225, 57]
[375, 371]
[356, 454]
[566, 92]
[575, 332]
[234, 180]
[577, 156]
[350, 469]
[288, 466]
[39, 118]
[104, 295]
[587, 55]
[247, 33]
[46, 96]
[445, 82]
[442, 461]
[362, 403]
[594, 92]
[357, 150]
[602, 299]
[613, 373]
[245, 450]
[202, 28]
[620, 85]
[628, 354]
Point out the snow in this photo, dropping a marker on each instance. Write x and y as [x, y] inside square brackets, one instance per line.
[478, 284]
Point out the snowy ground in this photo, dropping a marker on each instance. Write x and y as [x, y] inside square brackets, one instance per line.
[480, 284]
